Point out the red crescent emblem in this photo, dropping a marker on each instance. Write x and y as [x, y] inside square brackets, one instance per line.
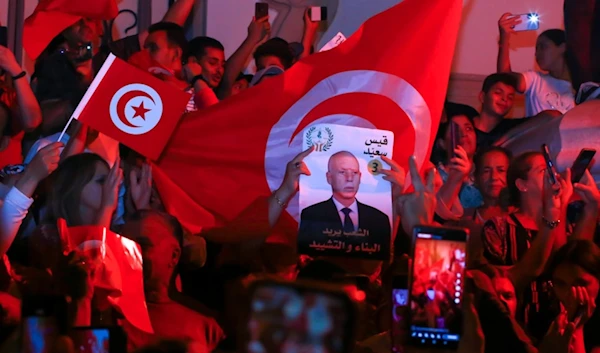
[122, 104]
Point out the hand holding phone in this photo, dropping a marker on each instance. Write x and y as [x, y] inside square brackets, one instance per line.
[454, 137]
[528, 22]
[317, 13]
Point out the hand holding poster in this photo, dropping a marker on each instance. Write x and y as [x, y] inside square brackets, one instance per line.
[346, 205]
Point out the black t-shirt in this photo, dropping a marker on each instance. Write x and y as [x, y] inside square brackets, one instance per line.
[486, 139]
[122, 49]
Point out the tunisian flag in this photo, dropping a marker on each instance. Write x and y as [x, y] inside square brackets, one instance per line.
[51, 17]
[132, 106]
[392, 74]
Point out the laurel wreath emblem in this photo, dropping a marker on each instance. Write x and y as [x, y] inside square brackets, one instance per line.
[327, 145]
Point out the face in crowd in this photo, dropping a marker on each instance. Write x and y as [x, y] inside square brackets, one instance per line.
[344, 176]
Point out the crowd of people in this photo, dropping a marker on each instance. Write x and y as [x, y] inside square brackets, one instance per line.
[532, 253]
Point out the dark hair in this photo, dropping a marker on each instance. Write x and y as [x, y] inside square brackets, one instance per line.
[57, 78]
[480, 156]
[557, 36]
[502, 77]
[321, 270]
[175, 35]
[173, 223]
[583, 253]
[67, 183]
[197, 46]
[243, 76]
[439, 155]
[518, 169]
[276, 47]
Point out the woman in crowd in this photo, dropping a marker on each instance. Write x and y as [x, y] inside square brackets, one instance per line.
[529, 235]
[491, 166]
[543, 91]
[456, 168]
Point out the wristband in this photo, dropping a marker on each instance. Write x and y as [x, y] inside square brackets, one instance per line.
[22, 74]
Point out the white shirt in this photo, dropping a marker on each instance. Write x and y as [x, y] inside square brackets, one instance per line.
[13, 209]
[544, 92]
[353, 214]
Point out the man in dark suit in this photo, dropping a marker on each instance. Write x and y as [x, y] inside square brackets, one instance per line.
[342, 213]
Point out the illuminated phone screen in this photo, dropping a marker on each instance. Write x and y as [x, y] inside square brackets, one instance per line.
[284, 319]
[437, 288]
[92, 340]
[400, 315]
[38, 334]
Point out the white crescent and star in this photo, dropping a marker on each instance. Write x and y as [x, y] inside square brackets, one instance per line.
[136, 109]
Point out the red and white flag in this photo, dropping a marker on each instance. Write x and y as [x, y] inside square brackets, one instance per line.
[51, 17]
[392, 74]
[132, 106]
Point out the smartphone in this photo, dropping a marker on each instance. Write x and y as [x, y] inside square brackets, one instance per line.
[581, 310]
[529, 22]
[400, 312]
[317, 13]
[549, 164]
[581, 164]
[436, 288]
[98, 339]
[301, 316]
[261, 10]
[43, 320]
[454, 136]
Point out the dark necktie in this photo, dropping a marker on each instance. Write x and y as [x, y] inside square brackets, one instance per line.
[348, 225]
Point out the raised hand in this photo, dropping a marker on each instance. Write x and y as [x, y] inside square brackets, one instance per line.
[45, 161]
[293, 170]
[396, 175]
[140, 185]
[506, 24]
[417, 207]
[460, 166]
[588, 191]
[259, 30]
[110, 189]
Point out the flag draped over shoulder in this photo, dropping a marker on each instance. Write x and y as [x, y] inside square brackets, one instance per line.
[391, 74]
[51, 17]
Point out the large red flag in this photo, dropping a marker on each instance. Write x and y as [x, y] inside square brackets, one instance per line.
[391, 74]
[51, 17]
[132, 106]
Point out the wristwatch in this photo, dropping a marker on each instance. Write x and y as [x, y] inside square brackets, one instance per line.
[551, 224]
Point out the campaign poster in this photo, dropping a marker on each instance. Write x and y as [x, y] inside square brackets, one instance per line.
[346, 205]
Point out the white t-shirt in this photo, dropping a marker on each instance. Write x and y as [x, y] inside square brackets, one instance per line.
[544, 92]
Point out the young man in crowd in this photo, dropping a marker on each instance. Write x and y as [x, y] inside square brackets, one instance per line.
[497, 100]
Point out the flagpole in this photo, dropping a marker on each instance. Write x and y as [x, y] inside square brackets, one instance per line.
[65, 129]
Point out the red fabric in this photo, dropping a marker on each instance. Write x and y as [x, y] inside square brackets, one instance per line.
[216, 161]
[51, 17]
[96, 111]
[119, 271]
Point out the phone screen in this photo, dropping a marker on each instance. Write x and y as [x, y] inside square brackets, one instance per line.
[436, 290]
[400, 312]
[286, 319]
[38, 334]
[91, 340]
[454, 136]
[529, 22]
[549, 164]
[582, 162]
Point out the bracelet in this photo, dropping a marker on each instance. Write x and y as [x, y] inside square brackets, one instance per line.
[279, 202]
[551, 224]
[22, 74]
